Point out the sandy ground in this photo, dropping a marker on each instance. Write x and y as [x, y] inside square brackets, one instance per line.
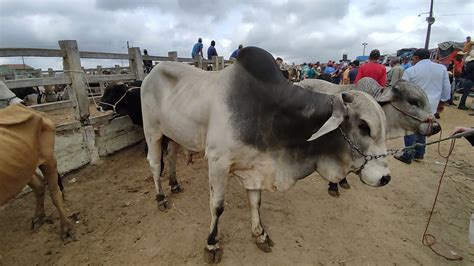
[119, 222]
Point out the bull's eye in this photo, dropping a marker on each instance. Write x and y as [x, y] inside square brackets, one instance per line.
[414, 102]
[364, 128]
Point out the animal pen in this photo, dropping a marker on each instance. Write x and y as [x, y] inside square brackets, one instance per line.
[90, 135]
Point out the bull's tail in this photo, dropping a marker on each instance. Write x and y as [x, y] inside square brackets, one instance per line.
[164, 150]
[60, 184]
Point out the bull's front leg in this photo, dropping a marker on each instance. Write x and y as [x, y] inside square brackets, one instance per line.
[333, 188]
[217, 181]
[264, 242]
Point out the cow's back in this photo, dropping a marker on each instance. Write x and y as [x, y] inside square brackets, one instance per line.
[178, 99]
[26, 141]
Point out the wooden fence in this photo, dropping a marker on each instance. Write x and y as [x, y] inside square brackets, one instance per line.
[87, 138]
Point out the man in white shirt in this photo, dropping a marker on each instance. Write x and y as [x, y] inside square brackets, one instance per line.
[434, 80]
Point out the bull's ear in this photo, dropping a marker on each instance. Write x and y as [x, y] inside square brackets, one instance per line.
[338, 112]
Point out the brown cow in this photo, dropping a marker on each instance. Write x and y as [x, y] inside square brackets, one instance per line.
[27, 143]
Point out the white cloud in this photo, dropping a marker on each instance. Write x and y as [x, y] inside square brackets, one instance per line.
[298, 31]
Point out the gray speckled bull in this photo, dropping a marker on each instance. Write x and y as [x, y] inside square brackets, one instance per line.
[405, 105]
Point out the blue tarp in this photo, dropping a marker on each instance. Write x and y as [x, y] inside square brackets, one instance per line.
[362, 58]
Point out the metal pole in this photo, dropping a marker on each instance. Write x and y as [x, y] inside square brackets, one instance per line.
[363, 51]
[430, 21]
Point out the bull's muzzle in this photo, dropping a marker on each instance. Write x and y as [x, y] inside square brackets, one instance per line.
[385, 180]
[429, 128]
[436, 128]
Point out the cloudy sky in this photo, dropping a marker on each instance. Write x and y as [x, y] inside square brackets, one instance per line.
[298, 31]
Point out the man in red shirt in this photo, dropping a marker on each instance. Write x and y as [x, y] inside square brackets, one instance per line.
[373, 69]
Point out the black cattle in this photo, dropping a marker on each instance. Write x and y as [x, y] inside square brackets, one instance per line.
[125, 100]
[23, 92]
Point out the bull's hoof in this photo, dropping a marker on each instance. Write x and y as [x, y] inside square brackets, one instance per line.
[345, 185]
[176, 189]
[162, 201]
[213, 256]
[37, 222]
[67, 232]
[333, 193]
[267, 245]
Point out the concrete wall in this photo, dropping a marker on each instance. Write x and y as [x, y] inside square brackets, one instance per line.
[75, 148]
[116, 135]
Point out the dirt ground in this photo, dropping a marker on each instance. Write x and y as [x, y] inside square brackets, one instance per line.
[119, 222]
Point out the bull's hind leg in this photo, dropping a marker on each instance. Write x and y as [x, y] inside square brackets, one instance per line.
[50, 173]
[173, 149]
[264, 242]
[154, 159]
[37, 184]
[217, 179]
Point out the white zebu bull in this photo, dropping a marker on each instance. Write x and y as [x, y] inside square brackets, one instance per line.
[254, 124]
[405, 105]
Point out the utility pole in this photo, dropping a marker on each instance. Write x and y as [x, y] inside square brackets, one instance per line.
[363, 51]
[430, 21]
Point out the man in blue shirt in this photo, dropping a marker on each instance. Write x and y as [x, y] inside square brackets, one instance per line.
[406, 63]
[353, 72]
[197, 49]
[235, 53]
[329, 68]
[211, 51]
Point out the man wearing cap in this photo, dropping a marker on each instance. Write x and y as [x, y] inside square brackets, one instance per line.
[197, 50]
[373, 69]
[468, 80]
[433, 79]
[456, 67]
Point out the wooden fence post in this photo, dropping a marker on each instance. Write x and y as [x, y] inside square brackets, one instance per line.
[215, 63]
[221, 62]
[173, 56]
[136, 62]
[72, 68]
[101, 84]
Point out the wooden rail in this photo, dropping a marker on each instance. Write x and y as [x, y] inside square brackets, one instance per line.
[20, 83]
[78, 78]
[16, 52]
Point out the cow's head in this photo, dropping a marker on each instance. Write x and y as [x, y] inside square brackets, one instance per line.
[360, 124]
[406, 107]
[112, 97]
